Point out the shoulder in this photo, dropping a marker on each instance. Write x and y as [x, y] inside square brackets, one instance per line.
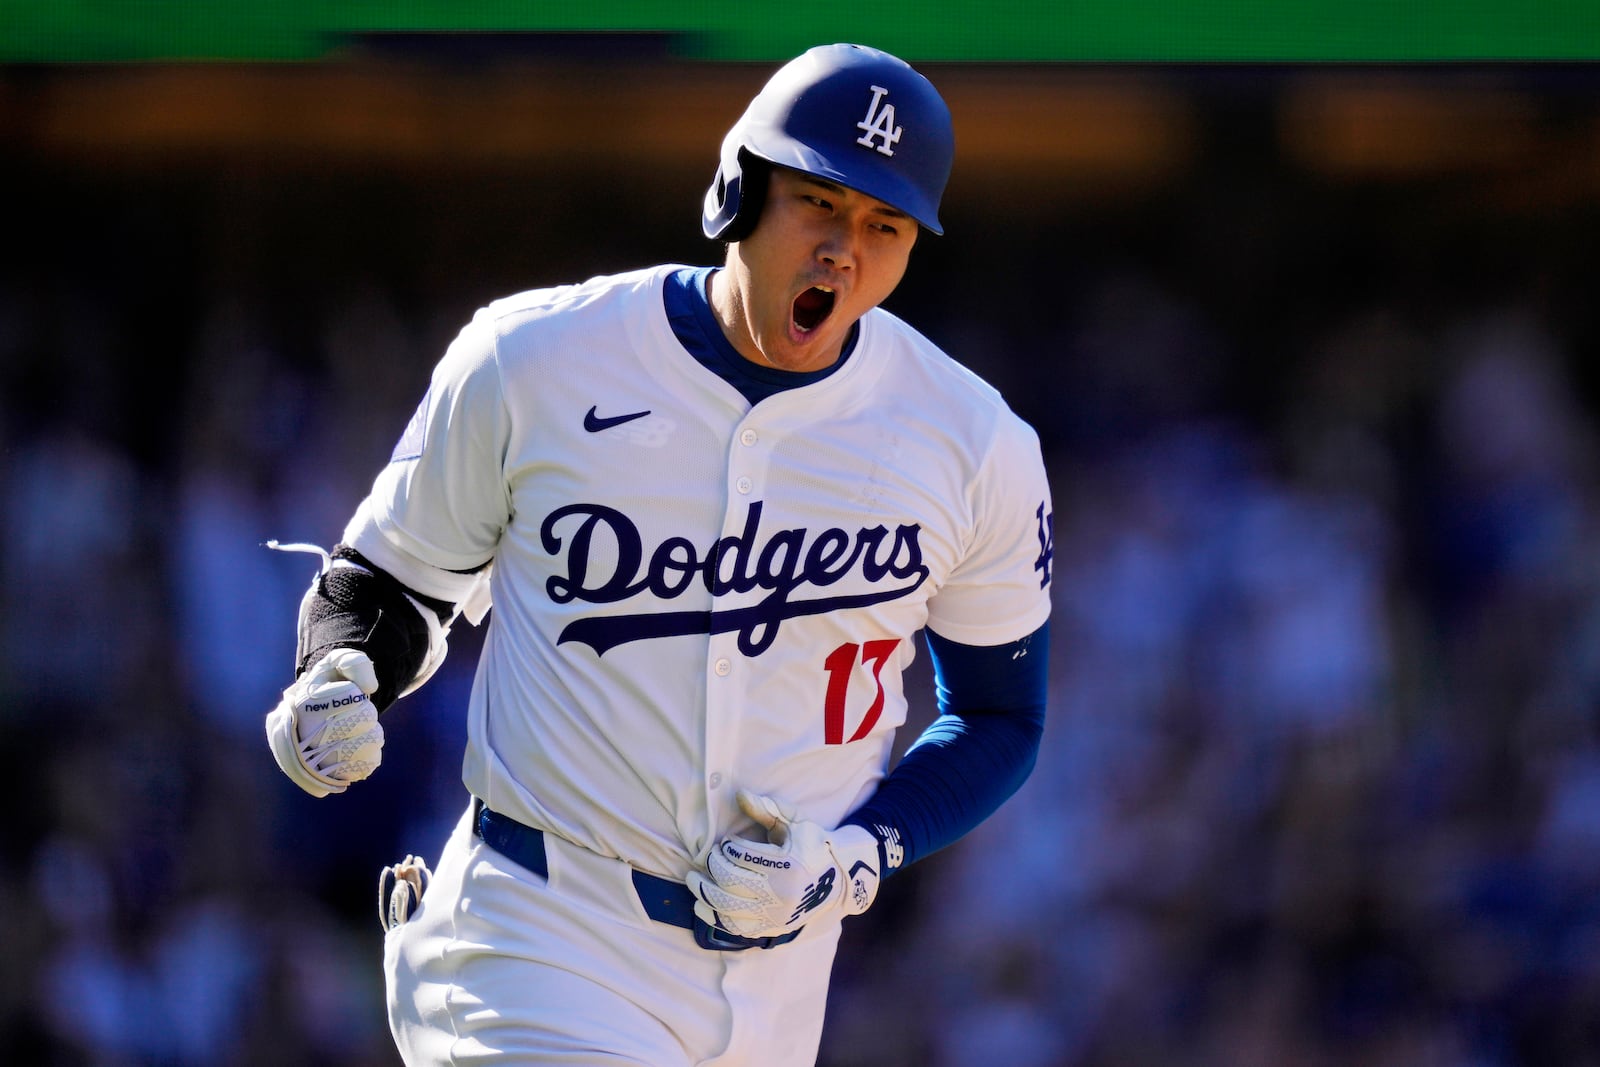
[539, 324]
[597, 296]
[923, 373]
[523, 325]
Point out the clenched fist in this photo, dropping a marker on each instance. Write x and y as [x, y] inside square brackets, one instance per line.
[801, 872]
[324, 733]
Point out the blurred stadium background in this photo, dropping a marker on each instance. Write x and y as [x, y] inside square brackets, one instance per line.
[1303, 308]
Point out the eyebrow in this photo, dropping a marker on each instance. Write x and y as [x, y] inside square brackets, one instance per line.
[835, 187]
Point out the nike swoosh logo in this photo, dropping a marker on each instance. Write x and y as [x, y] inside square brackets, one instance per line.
[594, 423]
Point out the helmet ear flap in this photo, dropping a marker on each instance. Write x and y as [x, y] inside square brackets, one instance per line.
[734, 201]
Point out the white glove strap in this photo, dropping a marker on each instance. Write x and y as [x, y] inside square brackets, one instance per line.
[855, 849]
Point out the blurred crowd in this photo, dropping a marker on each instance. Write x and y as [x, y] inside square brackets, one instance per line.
[1320, 782]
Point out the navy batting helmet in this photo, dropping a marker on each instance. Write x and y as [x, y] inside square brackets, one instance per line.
[844, 112]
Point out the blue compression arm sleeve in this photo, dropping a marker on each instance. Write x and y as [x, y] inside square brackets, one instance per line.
[978, 752]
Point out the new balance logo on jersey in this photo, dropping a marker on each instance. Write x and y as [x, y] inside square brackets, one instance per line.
[784, 563]
[879, 123]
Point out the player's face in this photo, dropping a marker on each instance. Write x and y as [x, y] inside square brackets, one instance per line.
[820, 257]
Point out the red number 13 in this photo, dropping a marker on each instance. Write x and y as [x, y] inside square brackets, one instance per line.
[841, 664]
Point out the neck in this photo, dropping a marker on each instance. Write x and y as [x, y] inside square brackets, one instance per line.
[731, 310]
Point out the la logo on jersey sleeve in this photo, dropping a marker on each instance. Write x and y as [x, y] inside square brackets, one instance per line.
[1047, 544]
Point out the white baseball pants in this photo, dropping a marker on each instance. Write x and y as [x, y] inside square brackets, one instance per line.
[499, 966]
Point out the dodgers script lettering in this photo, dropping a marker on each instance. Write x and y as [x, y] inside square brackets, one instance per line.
[784, 563]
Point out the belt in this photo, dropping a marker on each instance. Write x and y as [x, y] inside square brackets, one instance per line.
[664, 900]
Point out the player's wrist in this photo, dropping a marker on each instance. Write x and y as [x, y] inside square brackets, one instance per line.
[859, 854]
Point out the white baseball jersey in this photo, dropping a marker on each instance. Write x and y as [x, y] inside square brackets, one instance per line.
[692, 595]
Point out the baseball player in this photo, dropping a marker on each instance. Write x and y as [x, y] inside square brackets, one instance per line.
[712, 508]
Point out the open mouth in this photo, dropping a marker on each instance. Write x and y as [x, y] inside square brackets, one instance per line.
[812, 307]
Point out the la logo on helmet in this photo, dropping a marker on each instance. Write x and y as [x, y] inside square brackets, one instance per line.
[879, 123]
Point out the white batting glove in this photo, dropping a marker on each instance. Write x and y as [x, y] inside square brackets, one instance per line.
[324, 733]
[400, 889]
[798, 875]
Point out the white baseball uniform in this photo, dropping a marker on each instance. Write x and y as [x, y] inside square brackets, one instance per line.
[691, 596]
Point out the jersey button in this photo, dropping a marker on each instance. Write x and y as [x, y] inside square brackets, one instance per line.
[749, 437]
[723, 667]
[715, 780]
[744, 485]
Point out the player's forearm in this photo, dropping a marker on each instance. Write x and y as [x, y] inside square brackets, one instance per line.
[357, 605]
[959, 772]
[974, 756]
